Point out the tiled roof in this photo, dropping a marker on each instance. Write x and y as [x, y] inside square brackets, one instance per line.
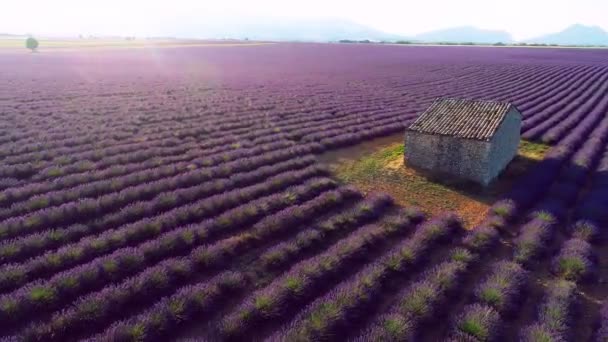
[468, 119]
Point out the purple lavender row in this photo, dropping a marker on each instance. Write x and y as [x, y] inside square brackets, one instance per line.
[330, 127]
[6, 183]
[557, 112]
[533, 237]
[360, 125]
[503, 287]
[532, 99]
[189, 302]
[528, 87]
[64, 156]
[371, 132]
[295, 130]
[419, 301]
[313, 238]
[169, 147]
[571, 78]
[555, 314]
[528, 81]
[477, 322]
[31, 245]
[597, 108]
[38, 171]
[131, 171]
[562, 195]
[176, 177]
[72, 212]
[91, 140]
[536, 182]
[575, 260]
[95, 276]
[298, 284]
[14, 275]
[577, 81]
[95, 151]
[137, 157]
[342, 126]
[221, 253]
[90, 314]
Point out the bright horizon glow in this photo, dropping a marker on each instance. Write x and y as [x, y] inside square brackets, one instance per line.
[523, 19]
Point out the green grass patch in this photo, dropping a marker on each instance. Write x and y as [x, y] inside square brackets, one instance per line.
[533, 150]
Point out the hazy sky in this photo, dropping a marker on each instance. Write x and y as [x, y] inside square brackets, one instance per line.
[522, 18]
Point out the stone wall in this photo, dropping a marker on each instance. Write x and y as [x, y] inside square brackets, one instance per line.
[474, 160]
[461, 158]
[504, 143]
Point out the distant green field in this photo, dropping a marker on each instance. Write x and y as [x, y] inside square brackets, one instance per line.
[118, 43]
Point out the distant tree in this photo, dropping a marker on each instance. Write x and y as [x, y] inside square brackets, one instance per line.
[31, 43]
[499, 44]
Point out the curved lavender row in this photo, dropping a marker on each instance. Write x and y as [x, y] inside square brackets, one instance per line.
[330, 313]
[477, 322]
[200, 259]
[553, 115]
[100, 188]
[189, 302]
[502, 287]
[368, 210]
[99, 159]
[597, 108]
[91, 141]
[38, 172]
[127, 173]
[14, 275]
[91, 149]
[536, 181]
[31, 245]
[177, 175]
[533, 238]
[531, 99]
[578, 79]
[74, 211]
[419, 301]
[524, 89]
[298, 284]
[185, 152]
[554, 314]
[537, 110]
[353, 138]
[574, 261]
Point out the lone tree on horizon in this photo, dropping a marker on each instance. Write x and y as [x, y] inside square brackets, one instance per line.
[31, 43]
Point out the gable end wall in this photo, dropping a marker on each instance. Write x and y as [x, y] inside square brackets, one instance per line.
[504, 143]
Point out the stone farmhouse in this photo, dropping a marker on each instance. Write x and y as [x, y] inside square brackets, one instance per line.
[467, 139]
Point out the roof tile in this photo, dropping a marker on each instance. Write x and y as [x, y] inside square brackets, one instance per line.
[463, 118]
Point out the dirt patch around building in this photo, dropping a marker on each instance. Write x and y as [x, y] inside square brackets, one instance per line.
[378, 166]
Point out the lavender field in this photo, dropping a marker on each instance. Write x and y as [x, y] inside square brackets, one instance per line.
[175, 193]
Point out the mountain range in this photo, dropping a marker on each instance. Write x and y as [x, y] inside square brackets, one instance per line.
[330, 29]
[465, 34]
[575, 35]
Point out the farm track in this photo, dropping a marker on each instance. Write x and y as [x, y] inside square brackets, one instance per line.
[144, 207]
